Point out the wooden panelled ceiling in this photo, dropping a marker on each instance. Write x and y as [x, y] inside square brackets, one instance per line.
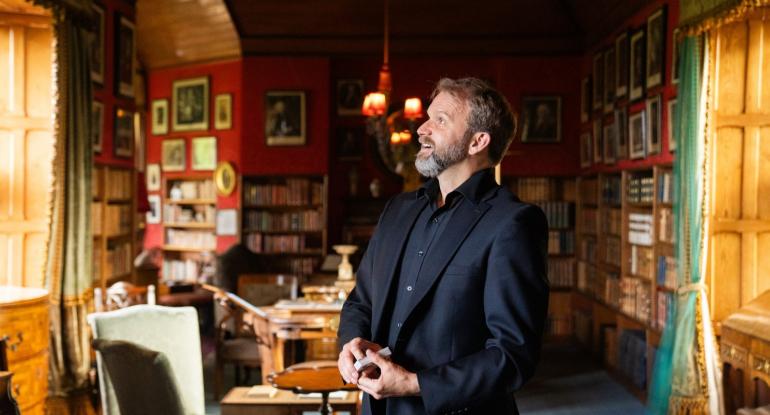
[24, 13]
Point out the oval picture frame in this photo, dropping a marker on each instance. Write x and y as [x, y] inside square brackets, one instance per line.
[224, 178]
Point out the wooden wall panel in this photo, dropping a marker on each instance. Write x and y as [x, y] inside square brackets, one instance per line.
[38, 173]
[763, 262]
[732, 69]
[763, 179]
[38, 90]
[725, 287]
[728, 161]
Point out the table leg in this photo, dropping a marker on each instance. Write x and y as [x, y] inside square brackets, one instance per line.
[326, 408]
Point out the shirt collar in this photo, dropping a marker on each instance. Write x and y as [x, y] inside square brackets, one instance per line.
[472, 189]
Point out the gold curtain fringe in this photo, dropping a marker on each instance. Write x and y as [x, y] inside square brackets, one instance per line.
[686, 405]
[726, 16]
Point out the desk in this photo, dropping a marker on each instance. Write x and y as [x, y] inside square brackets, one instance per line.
[312, 379]
[236, 402]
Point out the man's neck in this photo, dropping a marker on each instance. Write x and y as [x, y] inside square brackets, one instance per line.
[451, 178]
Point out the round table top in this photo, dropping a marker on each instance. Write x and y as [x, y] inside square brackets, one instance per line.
[310, 379]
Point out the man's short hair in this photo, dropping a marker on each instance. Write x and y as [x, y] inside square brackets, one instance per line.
[489, 112]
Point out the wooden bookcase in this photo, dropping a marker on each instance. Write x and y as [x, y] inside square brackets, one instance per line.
[114, 225]
[189, 215]
[284, 220]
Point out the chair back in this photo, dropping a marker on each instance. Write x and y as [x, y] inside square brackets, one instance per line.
[170, 330]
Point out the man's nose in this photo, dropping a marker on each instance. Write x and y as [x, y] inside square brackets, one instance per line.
[423, 129]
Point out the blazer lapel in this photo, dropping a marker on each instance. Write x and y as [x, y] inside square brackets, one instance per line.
[389, 255]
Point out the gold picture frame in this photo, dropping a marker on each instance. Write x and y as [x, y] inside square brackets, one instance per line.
[225, 178]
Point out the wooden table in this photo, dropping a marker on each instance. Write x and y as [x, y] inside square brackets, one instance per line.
[312, 379]
[238, 402]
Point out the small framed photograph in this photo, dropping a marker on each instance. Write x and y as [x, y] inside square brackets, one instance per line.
[350, 96]
[609, 80]
[621, 65]
[672, 138]
[542, 119]
[656, 44]
[190, 103]
[153, 215]
[653, 125]
[350, 142]
[97, 125]
[153, 177]
[636, 135]
[636, 76]
[675, 57]
[159, 116]
[610, 145]
[285, 118]
[227, 222]
[173, 154]
[97, 50]
[125, 57]
[621, 133]
[223, 112]
[204, 153]
[586, 154]
[598, 76]
[597, 144]
[585, 99]
[123, 144]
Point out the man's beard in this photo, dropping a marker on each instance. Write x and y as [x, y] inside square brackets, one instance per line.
[439, 160]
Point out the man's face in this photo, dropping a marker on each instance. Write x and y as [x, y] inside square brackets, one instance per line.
[443, 138]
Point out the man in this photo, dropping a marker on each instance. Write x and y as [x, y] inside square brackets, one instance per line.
[454, 278]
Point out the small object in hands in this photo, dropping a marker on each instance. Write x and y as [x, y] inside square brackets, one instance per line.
[362, 364]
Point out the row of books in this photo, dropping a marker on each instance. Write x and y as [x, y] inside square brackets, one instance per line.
[640, 228]
[295, 265]
[589, 190]
[308, 220]
[611, 221]
[607, 288]
[667, 271]
[635, 298]
[586, 277]
[119, 260]
[117, 184]
[181, 270]
[192, 189]
[262, 243]
[532, 189]
[664, 306]
[295, 192]
[641, 261]
[632, 356]
[612, 250]
[191, 239]
[559, 214]
[665, 187]
[640, 189]
[588, 249]
[666, 225]
[611, 194]
[117, 219]
[589, 220]
[189, 214]
[561, 272]
[561, 242]
[558, 325]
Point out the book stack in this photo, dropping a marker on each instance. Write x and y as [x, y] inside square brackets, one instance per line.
[559, 325]
[586, 276]
[561, 242]
[194, 189]
[191, 239]
[96, 218]
[640, 189]
[632, 356]
[640, 229]
[611, 294]
[628, 295]
[561, 272]
[117, 220]
[118, 184]
[295, 192]
[559, 214]
[611, 221]
[532, 189]
[667, 271]
[180, 270]
[611, 190]
[189, 214]
[665, 225]
[641, 262]
[309, 220]
[612, 250]
[665, 187]
[119, 260]
[643, 310]
[664, 306]
[590, 218]
[588, 250]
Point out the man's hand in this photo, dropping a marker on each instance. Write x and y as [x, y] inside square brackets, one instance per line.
[393, 380]
[352, 351]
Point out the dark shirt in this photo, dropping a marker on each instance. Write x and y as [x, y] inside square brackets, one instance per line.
[428, 227]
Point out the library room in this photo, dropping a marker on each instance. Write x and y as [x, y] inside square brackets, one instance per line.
[384, 207]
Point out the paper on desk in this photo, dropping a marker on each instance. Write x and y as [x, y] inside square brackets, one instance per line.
[262, 391]
[332, 395]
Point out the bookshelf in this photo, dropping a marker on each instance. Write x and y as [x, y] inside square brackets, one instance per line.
[189, 215]
[556, 196]
[113, 221]
[284, 220]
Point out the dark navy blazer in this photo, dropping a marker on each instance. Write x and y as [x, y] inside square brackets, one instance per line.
[474, 325]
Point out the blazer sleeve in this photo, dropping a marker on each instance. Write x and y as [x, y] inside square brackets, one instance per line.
[515, 307]
[356, 314]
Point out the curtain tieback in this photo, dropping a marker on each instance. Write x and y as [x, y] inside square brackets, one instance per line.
[699, 286]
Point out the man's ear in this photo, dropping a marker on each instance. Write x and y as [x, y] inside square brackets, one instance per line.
[479, 142]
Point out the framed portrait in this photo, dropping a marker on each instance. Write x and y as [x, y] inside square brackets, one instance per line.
[285, 118]
[123, 141]
[97, 125]
[610, 145]
[653, 125]
[598, 76]
[223, 112]
[541, 119]
[636, 135]
[159, 116]
[350, 96]
[153, 215]
[173, 154]
[675, 57]
[585, 99]
[597, 144]
[125, 56]
[636, 76]
[97, 50]
[656, 44]
[350, 142]
[204, 153]
[621, 65]
[586, 154]
[609, 80]
[671, 130]
[621, 133]
[225, 178]
[190, 103]
[153, 177]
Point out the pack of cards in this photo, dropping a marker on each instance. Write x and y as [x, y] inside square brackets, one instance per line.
[362, 364]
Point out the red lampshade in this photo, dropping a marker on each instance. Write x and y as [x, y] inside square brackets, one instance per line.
[412, 108]
[374, 104]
